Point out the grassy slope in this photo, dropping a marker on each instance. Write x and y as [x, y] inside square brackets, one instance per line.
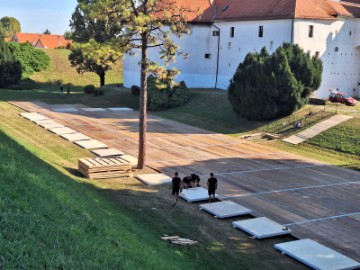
[52, 218]
[60, 70]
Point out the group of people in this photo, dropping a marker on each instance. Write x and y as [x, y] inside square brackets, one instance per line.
[191, 181]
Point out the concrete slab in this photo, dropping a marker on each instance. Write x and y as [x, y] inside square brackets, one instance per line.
[93, 109]
[44, 121]
[34, 116]
[261, 227]
[154, 179]
[62, 130]
[91, 144]
[316, 255]
[196, 194]
[111, 152]
[120, 109]
[48, 125]
[225, 209]
[75, 137]
[65, 110]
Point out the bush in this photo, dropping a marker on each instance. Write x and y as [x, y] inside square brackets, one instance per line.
[135, 90]
[179, 95]
[27, 84]
[10, 66]
[31, 59]
[89, 89]
[267, 86]
[163, 98]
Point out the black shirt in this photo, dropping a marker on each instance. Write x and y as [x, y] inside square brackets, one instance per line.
[176, 182]
[212, 182]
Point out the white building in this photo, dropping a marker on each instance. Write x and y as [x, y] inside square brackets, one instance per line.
[224, 31]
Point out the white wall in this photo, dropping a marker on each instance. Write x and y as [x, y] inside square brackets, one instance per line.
[341, 69]
[246, 39]
[196, 71]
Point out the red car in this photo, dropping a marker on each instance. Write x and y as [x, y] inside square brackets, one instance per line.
[342, 98]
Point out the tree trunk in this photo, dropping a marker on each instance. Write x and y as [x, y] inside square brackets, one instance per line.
[143, 104]
[102, 78]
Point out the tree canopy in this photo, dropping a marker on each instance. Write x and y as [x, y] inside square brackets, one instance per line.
[9, 26]
[269, 86]
[94, 57]
[10, 67]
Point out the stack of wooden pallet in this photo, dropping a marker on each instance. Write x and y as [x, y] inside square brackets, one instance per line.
[98, 168]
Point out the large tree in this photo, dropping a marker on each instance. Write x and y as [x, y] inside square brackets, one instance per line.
[146, 24]
[9, 26]
[93, 49]
[269, 86]
[94, 57]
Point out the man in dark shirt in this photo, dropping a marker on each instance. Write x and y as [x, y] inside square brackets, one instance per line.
[175, 185]
[212, 186]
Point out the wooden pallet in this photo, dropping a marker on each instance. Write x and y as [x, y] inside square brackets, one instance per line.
[99, 168]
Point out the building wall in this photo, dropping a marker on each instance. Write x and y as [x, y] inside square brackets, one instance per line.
[332, 41]
[246, 39]
[338, 45]
[196, 71]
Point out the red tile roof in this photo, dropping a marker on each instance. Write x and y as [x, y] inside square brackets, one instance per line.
[231, 10]
[42, 40]
[52, 41]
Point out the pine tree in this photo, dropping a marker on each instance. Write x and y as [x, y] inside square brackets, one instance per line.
[269, 86]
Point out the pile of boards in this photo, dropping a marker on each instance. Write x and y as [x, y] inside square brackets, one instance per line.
[99, 168]
[179, 241]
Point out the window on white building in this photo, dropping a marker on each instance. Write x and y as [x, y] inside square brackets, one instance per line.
[207, 55]
[317, 54]
[216, 33]
[350, 33]
[336, 49]
[232, 32]
[261, 31]
[311, 31]
[271, 45]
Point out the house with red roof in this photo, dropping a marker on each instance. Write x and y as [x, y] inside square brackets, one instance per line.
[42, 41]
[223, 32]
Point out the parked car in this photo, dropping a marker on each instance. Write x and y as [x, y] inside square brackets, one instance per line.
[342, 98]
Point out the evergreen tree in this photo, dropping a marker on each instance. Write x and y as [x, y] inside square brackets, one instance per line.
[10, 67]
[269, 86]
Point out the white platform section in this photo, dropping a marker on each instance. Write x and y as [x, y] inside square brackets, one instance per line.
[65, 110]
[111, 152]
[93, 109]
[316, 255]
[132, 160]
[154, 179]
[91, 144]
[34, 116]
[43, 121]
[120, 109]
[75, 137]
[195, 194]
[225, 209]
[48, 125]
[62, 130]
[261, 227]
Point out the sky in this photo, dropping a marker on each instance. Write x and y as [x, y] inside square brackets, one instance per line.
[35, 16]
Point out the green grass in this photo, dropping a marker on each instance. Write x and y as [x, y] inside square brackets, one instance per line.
[51, 218]
[60, 70]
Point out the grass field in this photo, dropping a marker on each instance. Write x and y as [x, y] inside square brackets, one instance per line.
[51, 218]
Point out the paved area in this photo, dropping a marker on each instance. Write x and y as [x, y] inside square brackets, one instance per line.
[317, 129]
[313, 199]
